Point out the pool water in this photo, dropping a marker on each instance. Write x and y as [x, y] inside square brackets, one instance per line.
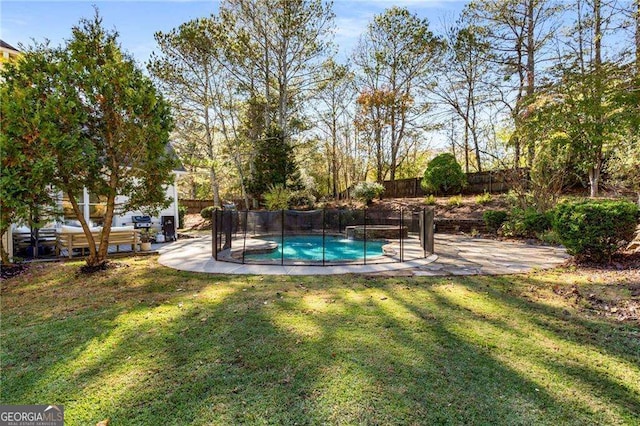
[309, 247]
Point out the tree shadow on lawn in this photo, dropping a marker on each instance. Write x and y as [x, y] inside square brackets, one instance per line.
[519, 338]
[359, 362]
[350, 351]
[52, 319]
[608, 336]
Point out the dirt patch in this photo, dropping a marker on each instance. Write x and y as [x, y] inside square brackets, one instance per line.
[468, 208]
[104, 266]
[195, 222]
[608, 290]
[621, 261]
[621, 302]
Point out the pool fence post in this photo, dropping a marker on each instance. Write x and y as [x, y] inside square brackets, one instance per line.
[364, 244]
[214, 232]
[282, 238]
[324, 225]
[401, 235]
[244, 240]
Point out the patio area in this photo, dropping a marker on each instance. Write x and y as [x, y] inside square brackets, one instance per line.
[455, 255]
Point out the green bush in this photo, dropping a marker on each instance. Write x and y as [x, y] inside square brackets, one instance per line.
[430, 200]
[207, 212]
[367, 191]
[549, 237]
[455, 201]
[526, 223]
[494, 219]
[443, 175]
[277, 198]
[483, 199]
[182, 212]
[302, 198]
[591, 230]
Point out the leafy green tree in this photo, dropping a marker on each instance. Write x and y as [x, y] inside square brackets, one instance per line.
[623, 166]
[444, 175]
[110, 129]
[26, 168]
[274, 164]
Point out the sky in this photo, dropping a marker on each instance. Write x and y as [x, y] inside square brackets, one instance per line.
[137, 21]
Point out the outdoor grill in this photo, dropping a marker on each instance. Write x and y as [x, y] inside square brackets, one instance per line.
[141, 222]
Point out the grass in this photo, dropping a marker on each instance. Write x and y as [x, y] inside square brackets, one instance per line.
[142, 344]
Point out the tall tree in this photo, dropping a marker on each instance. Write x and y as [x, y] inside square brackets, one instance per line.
[26, 168]
[587, 100]
[519, 32]
[188, 72]
[464, 87]
[109, 131]
[394, 56]
[334, 99]
[276, 48]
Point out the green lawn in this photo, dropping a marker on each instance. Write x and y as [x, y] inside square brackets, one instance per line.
[143, 344]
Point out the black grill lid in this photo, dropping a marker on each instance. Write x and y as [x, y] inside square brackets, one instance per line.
[141, 219]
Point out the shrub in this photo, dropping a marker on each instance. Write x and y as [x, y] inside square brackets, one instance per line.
[277, 198]
[367, 191]
[207, 212]
[549, 237]
[182, 212]
[302, 198]
[430, 200]
[443, 175]
[591, 230]
[526, 223]
[483, 199]
[494, 219]
[455, 201]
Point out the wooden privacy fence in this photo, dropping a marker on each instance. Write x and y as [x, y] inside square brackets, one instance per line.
[495, 181]
[195, 206]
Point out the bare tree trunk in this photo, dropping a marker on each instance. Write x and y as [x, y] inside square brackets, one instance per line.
[530, 90]
[215, 186]
[103, 249]
[92, 260]
[3, 251]
[466, 147]
[594, 180]
[638, 37]
[594, 173]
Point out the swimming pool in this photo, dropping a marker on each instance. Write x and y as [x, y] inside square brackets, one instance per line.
[309, 248]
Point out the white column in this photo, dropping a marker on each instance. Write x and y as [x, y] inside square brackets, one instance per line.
[85, 209]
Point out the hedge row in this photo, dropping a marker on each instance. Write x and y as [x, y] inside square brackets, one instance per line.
[590, 230]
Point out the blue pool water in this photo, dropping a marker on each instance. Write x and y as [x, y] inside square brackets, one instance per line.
[309, 247]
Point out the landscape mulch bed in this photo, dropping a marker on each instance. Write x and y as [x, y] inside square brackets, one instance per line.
[7, 272]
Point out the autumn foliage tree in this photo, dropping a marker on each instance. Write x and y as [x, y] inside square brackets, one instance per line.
[395, 57]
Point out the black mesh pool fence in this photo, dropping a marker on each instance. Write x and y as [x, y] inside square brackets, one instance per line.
[321, 237]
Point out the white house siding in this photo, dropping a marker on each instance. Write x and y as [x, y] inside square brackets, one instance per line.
[124, 219]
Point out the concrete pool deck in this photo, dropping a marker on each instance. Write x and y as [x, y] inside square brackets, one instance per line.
[455, 255]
